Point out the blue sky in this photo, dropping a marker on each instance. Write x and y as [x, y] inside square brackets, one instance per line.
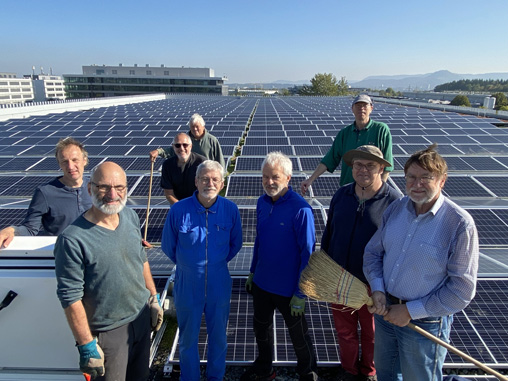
[258, 41]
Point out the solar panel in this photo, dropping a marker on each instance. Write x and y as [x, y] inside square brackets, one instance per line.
[144, 185]
[26, 186]
[484, 163]
[160, 264]
[492, 231]
[19, 164]
[463, 187]
[131, 131]
[325, 186]
[309, 164]
[11, 216]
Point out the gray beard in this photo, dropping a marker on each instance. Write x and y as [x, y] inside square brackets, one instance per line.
[108, 209]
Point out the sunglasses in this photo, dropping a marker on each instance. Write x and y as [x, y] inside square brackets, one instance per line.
[178, 145]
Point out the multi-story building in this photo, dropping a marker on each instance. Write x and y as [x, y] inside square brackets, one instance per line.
[107, 81]
[48, 87]
[15, 90]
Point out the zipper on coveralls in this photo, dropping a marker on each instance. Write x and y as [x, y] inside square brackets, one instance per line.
[206, 250]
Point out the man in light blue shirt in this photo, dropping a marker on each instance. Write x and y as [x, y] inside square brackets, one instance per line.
[421, 265]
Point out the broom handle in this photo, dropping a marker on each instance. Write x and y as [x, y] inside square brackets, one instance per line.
[148, 203]
[451, 348]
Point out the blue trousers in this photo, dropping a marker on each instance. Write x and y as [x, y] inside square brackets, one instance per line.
[402, 353]
[191, 302]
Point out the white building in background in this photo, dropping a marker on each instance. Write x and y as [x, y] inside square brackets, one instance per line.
[48, 87]
[99, 81]
[15, 90]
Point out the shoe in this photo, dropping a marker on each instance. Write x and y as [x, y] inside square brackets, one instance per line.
[312, 376]
[346, 376]
[363, 377]
[251, 375]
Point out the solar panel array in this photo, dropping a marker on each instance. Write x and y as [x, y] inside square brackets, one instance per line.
[303, 128]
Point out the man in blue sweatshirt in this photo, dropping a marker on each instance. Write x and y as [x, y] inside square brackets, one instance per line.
[284, 242]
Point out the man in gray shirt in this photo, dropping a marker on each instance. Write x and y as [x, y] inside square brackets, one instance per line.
[104, 282]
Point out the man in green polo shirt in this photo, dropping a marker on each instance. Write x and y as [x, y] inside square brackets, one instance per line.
[364, 131]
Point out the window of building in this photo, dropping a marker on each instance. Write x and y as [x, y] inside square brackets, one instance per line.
[148, 72]
[115, 71]
[99, 71]
[166, 72]
[132, 72]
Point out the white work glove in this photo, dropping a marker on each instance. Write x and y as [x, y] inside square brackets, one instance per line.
[156, 312]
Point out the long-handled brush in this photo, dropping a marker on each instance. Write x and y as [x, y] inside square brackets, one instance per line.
[325, 280]
[145, 242]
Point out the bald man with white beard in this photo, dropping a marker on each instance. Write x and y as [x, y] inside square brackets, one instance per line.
[105, 285]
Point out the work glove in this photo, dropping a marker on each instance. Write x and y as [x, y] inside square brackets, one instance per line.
[248, 283]
[297, 306]
[156, 312]
[91, 359]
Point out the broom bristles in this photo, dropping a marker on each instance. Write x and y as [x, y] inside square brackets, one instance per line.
[325, 280]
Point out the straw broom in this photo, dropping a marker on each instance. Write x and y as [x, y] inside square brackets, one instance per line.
[325, 280]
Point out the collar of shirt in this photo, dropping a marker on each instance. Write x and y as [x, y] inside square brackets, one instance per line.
[364, 128]
[435, 208]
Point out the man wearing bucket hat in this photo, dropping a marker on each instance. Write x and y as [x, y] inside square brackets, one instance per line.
[421, 265]
[353, 218]
[363, 131]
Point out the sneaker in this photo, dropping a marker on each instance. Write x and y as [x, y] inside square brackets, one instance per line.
[251, 375]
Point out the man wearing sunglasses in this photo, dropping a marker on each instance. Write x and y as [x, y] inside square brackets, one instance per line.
[203, 143]
[179, 171]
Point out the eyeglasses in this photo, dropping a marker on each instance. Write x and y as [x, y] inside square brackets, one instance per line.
[178, 145]
[410, 179]
[362, 105]
[206, 180]
[369, 167]
[107, 188]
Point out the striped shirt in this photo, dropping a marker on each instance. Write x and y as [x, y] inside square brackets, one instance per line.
[430, 260]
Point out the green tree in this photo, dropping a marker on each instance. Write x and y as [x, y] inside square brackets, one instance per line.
[322, 84]
[501, 100]
[461, 100]
[343, 87]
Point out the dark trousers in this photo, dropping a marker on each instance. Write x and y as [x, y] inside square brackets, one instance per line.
[127, 350]
[265, 304]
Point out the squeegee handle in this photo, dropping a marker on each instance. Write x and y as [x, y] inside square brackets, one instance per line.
[451, 348]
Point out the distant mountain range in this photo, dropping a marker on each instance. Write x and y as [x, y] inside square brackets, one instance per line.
[397, 82]
[420, 81]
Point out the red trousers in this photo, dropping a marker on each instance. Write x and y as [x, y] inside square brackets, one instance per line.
[346, 324]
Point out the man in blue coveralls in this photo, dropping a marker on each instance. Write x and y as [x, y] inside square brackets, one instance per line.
[284, 242]
[201, 235]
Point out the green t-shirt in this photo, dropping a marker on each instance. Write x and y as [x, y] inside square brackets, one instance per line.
[375, 133]
[104, 269]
